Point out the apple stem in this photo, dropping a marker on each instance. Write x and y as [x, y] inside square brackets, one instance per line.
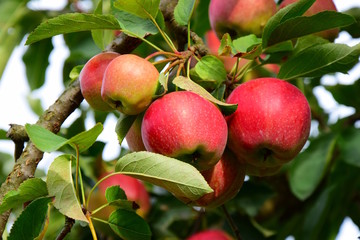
[231, 222]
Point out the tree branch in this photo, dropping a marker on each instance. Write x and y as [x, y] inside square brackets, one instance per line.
[53, 118]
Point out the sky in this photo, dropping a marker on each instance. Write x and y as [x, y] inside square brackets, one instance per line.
[14, 91]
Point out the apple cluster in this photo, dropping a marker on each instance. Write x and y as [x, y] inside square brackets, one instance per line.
[268, 129]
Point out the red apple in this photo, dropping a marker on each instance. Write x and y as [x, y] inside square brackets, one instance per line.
[129, 84]
[185, 126]
[240, 17]
[133, 137]
[271, 123]
[210, 234]
[225, 178]
[319, 6]
[134, 189]
[91, 78]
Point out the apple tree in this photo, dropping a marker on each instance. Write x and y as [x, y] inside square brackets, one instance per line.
[225, 135]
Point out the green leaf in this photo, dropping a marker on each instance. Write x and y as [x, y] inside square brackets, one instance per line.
[72, 22]
[253, 196]
[183, 11]
[75, 72]
[319, 60]
[139, 8]
[44, 139]
[116, 197]
[35, 105]
[136, 26]
[48, 141]
[98, 35]
[349, 146]
[226, 46]
[86, 139]
[353, 29]
[284, 14]
[308, 168]
[60, 184]
[128, 225]
[3, 134]
[211, 68]
[30, 223]
[189, 85]
[342, 92]
[177, 177]
[29, 190]
[114, 193]
[301, 26]
[246, 43]
[11, 30]
[36, 60]
[123, 125]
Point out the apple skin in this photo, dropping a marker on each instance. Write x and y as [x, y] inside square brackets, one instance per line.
[91, 78]
[240, 17]
[134, 189]
[185, 126]
[129, 84]
[225, 178]
[133, 137]
[210, 234]
[319, 6]
[271, 123]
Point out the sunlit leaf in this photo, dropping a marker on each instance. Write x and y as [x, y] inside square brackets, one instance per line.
[60, 184]
[319, 60]
[72, 22]
[177, 177]
[183, 11]
[284, 14]
[139, 8]
[189, 85]
[301, 26]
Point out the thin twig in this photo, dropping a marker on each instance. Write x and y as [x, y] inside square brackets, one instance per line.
[69, 223]
[231, 223]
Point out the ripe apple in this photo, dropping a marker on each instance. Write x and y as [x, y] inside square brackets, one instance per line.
[271, 123]
[134, 189]
[129, 84]
[225, 178]
[319, 6]
[185, 126]
[91, 78]
[213, 234]
[133, 137]
[240, 17]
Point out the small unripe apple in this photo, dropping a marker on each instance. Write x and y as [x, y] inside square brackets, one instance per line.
[129, 84]
[225, 178]
[240, 17]
[210, 234]
[134, 189]
[185, 126]
[271, 123]
[91, 78]
[319, 6]
[133, 137]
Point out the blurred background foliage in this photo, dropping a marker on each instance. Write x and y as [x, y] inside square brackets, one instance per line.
[308, 199]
